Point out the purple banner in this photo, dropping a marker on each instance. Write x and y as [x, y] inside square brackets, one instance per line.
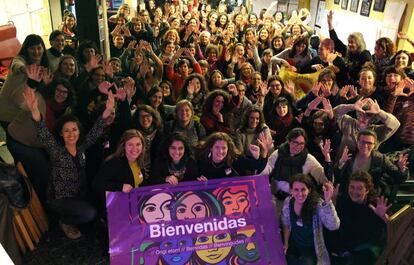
[226, 221]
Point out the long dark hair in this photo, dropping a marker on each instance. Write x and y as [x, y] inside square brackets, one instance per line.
[62, 121]
[51, 90]
[33, 40]
[208, 104]
[245, 120]
[310, 205]
[203, 85]
[169, 140]
[298, 41]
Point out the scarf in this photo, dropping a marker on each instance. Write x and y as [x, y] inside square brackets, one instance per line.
[178, 170]
[53, 111]
[287, 165]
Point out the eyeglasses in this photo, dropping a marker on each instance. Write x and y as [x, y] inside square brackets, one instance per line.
[145, 116]
[366, 143]
[275, 85]
[61, 91]
[297, 143]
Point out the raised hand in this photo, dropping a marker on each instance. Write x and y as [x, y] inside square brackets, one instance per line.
[359, 104]
[313, 105]
[109, 71]
[381, 208]
[129, 86]
[402, 35]
[353, 92]
[316, 89]
[327, 108]
[191, 87]
[254, 150]
[47, 76]
[232, 88]
[264, 89]
[404, 88]
[93, 62]
[329, 17]
[121, 94]
[326, 149]
[403, 162]
[132, 45]
[110, 106]
[31, 102]
[346, 155]
[104, 87]
[326, 91]
[374, 108]
[328, 191]
[290, 87]
[34, 72]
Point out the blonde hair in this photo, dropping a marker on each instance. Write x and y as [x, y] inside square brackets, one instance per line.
[126, 136]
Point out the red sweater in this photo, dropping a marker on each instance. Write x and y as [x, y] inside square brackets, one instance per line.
[177, 80]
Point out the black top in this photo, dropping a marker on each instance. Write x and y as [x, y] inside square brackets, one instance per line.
[161, 169]
[359, 225]
[211, 170]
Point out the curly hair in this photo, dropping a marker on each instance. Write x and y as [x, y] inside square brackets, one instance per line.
[208, 104]
[244, 125]
[206, 145]
[156, 119]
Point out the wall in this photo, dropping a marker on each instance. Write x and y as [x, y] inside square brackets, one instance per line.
[374, 26]
[29, 16]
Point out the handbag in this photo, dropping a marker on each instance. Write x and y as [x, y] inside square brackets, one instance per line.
[16, 187]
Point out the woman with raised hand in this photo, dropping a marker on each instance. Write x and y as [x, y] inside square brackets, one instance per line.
[31, 58]
[219, 157]
[363, 214]
[304, 216]
[252, 129]
[355, 54]
[387, 175]
[68, 187]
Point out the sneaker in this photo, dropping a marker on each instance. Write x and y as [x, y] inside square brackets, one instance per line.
[70, 231]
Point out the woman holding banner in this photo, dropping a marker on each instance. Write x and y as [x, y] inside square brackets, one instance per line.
[175, 163]
[122, 170]
[304, 216]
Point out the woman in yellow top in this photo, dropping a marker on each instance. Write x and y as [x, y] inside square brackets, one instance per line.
[122, 170]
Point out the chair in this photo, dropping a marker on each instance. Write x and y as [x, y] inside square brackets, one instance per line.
[400, 236]
[31, 222]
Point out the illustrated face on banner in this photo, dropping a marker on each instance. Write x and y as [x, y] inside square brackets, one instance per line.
[149, 257]
[214, 255]
[181, 257]
[247, 251]
[157, 208]
[234, 199]
[191, 206]
[235, 204]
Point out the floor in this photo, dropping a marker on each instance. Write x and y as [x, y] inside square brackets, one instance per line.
[55, 248]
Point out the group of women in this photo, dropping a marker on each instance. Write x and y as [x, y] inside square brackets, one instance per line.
[195, 95]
